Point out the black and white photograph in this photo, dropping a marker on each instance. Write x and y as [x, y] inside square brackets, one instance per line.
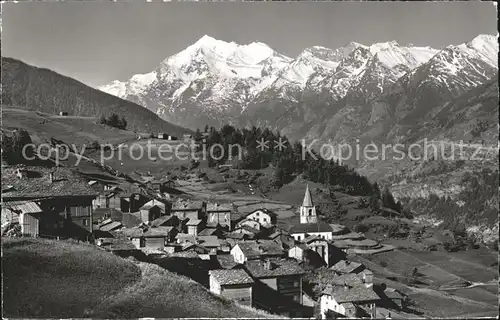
[249, 159]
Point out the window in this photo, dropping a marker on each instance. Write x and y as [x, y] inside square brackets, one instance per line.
[85, 222]
[296, 298]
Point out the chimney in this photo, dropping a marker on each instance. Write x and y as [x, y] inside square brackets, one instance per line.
[346, 287]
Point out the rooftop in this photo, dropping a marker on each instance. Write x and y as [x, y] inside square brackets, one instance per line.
[345, 266]
[231, 276]
[150, 204]
[111, 226]
[358, 293]
[193, 222]
[279, 267]
[209, 241]
[161, 220]
[312, 238]
[138, 232]
[267, 211]
[249, 229]
[207, 232]
[259, 248]
[226, 261]
[218, 207]
[37, 183]
[183, 204]
[311, 227]
[21, 207]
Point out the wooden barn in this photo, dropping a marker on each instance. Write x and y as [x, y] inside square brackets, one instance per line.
[132, 202]
[63, 200]
[28, 214]
[152, 210]
[233, 284]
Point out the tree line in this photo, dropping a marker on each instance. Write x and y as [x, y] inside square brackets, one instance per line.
[288, 162]
[476, 204]
[114, 121]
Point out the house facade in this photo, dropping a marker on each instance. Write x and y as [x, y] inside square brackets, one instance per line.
[189, 209]
[252, 250]
[278, 285]
[233, 284]
[349, 301]
[263, 216]
[219, 214]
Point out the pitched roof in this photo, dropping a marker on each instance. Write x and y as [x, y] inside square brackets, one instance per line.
[345, 266]
[357, 293]
[137, 232]
[207, 232]
[279, 267]
[209, 241]
[249, 229]
[267, 211]
[185, 237]
[22, 207]
[161, 220]
[274, 235]
[394, 293]
[193, 222]
[38, 184]
[111, 226]
[113, 213]
[235, 235]
[310, 227]
[150, 204]
[260, 248]
[218, 207]
[183, 204]
[312, 238]
[231, 276]
[307, 202]
[226, 261]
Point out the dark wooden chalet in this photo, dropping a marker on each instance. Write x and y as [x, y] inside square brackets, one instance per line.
[63, 200]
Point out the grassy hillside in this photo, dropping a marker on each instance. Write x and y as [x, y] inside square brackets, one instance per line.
[38, 89]
[72, 130]
[62, 279]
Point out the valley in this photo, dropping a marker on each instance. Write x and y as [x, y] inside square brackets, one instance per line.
[272, 178]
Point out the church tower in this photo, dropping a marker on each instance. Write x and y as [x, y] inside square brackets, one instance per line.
[307, 210]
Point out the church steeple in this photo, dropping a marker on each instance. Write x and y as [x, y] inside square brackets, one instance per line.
[308, 210]
[307, 198]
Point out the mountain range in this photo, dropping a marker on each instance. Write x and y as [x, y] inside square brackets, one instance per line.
[371, 92]
[357, 94]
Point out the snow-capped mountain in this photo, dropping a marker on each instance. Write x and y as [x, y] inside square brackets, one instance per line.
[214, 82]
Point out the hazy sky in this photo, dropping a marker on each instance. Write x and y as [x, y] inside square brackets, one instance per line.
[96, 42]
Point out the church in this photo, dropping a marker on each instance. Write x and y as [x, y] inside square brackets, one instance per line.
[310, 225]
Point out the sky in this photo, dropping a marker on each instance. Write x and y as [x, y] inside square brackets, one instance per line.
[97, 42]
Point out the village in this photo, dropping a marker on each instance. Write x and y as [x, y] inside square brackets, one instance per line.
[302, 271]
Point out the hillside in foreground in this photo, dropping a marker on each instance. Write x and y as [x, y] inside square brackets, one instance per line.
[31, 88]
[46, 278]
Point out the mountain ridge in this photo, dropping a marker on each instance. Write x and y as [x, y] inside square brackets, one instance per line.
[39, 89]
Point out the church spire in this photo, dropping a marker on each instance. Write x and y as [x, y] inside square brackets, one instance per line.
[307, 198]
